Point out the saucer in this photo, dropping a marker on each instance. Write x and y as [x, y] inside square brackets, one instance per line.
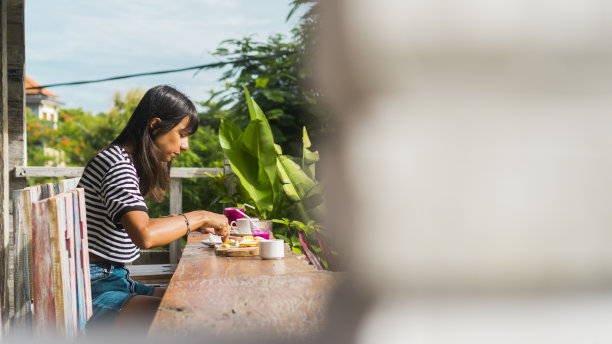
[209, 243]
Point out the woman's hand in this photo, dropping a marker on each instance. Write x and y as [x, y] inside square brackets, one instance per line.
[217, 224]
[146, 232]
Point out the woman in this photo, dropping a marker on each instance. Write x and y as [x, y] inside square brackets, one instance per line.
[116, 181]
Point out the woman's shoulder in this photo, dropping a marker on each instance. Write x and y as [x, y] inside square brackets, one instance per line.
[109, 158]
[113, 155]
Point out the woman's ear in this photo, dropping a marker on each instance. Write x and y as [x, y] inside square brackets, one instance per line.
[153, 124]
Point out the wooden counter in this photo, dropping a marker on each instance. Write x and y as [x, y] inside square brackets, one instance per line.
[211, 295]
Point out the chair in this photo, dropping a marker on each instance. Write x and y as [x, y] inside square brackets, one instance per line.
[52, 296]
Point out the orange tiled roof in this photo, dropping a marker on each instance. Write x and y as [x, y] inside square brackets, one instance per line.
[29, 82]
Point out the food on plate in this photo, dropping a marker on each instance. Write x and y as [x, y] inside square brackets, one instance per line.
[245, 241]
[229, 243]
[248, 241]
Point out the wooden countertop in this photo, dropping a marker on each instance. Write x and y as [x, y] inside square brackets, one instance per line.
[210, 295]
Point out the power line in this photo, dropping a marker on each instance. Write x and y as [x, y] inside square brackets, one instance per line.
[210, 65]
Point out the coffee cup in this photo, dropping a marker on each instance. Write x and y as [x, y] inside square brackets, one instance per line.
[246, 225]
[272, 249]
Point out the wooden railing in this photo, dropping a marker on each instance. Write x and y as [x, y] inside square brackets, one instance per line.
[176, 187]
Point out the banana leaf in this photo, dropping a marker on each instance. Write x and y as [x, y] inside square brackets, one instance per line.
[298, 181]
[308, 158]
[252, 157]
[260, 142]
[248, 153]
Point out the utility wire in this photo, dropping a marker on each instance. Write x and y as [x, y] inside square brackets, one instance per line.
[210, 65]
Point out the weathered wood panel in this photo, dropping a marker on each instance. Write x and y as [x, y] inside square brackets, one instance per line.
[44, 307]
[61, 270]
[22, 224]
[84, 250]
[76, 248]
[67, 185]
[66, 198]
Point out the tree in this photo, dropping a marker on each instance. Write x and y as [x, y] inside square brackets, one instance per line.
[280, 84]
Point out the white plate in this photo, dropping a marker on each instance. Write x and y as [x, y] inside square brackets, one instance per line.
[209, 243]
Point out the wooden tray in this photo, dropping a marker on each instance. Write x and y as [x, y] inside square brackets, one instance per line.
[237, 251]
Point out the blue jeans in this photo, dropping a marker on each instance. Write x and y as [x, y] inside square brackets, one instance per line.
[111, 288]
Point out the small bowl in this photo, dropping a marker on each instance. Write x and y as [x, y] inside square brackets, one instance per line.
[272, 249]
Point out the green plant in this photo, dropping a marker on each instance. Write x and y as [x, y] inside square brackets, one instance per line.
[272, 180]
[307, 238]
[252, 156]
[288, 231]
[299, 182]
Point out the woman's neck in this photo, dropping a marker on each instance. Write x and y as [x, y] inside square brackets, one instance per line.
[128, 149]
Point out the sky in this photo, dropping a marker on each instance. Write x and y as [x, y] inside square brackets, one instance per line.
[83, 40]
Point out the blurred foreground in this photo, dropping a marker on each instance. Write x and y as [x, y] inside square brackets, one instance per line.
[473, 171]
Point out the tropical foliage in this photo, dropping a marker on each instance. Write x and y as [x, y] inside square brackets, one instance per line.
[278, 184]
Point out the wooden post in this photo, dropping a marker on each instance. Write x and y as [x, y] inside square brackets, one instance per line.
[16, 89]
[176, 206]
[4, 193]
[12, 146]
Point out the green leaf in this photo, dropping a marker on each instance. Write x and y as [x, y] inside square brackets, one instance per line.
[254, 110]
[273, 95]
[246, 163]
[296, 250]
[308, 158]
[283, 221]
[280, 236]
[296, 182]
[252, 156]
[261, 82]
[295, 240]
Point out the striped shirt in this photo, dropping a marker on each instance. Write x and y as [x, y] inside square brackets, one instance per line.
[111, 190]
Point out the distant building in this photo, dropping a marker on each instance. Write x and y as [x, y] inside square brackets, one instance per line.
[42, 102]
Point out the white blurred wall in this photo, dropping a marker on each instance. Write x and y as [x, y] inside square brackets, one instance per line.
[473, 171]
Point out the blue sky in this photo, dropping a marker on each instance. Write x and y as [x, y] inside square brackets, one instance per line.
[82, 40]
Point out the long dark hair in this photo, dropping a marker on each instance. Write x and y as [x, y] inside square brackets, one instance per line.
[171, 106]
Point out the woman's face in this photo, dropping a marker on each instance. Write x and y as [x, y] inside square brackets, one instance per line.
[172, 143]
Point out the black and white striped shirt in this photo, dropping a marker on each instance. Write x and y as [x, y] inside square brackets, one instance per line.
[111, 190]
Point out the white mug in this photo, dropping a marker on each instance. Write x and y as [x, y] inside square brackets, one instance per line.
[272, 249]
[246, 226]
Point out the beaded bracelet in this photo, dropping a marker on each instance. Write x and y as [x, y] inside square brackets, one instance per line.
[187, 221]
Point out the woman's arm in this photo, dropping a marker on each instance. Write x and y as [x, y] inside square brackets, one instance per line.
[146, 232]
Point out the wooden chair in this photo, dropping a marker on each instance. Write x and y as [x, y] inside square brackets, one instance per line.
[52, 293]
[53, 296]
